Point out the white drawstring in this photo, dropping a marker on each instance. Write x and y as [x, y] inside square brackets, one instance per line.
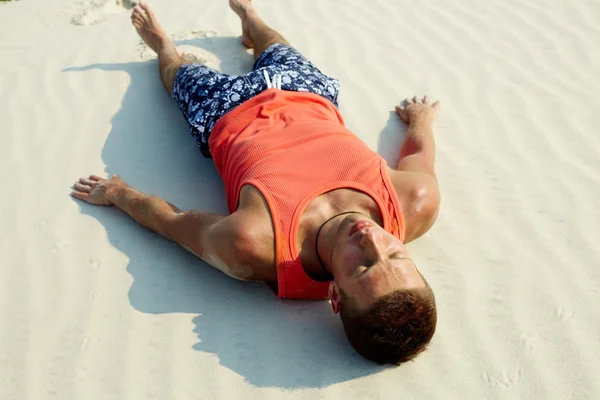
[267, 79]
[275, 83]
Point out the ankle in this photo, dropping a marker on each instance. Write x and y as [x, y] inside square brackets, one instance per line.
[165, 44]
[250, 14]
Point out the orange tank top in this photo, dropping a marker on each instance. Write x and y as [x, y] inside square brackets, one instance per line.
[293, 147]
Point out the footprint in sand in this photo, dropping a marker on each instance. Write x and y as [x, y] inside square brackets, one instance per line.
[91, 12]
[506, 379]
[200, 56]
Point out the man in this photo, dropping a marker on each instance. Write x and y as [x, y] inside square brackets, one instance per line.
[314, 212]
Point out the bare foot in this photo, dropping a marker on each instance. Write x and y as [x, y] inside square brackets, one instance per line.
[147, 26]
[241, 8]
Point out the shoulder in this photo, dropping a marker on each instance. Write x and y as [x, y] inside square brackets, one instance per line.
[254, 240]
[419, 197]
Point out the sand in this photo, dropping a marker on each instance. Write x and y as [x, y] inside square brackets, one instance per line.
[94, 307]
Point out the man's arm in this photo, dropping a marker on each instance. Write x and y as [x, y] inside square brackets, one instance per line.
[417, 153]
[416, 181]
[216, 239]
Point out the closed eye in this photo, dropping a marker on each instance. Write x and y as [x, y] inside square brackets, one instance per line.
[367, 265]
[366, 269]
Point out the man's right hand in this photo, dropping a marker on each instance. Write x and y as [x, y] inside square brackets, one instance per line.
[419, 110]
[96, 190]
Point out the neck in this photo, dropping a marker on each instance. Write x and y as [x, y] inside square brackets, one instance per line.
[327, 271]
[317, 218]
[326, 268]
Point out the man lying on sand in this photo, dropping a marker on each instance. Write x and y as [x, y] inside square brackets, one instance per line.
[314, 212]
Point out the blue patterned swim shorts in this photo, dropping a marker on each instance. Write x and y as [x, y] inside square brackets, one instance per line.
[205, 95]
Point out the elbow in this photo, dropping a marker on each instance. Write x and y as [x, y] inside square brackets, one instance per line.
[244, 253]
[428, 203]
[424, 210]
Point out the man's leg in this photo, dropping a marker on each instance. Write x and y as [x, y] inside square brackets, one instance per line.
[170, 59]
[256, 34]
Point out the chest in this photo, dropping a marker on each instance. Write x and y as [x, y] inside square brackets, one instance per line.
[257, 215]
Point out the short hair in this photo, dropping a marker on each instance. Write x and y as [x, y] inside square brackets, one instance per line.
[394, 329]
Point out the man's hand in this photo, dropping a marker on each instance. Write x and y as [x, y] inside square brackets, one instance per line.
[418, 110]
[96, 190]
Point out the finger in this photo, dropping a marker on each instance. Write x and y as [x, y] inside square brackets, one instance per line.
[82, 188]
[87, 182]
[80, 196]
[116, 176]
[408, 101]
[96, 178]
[401, 111]
[437, 105]
[425, 100]
[416, 100]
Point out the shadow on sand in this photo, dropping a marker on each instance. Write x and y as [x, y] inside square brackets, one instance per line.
[270, 342]
[390, 139]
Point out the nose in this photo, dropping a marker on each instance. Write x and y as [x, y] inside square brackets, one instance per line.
[371, 244]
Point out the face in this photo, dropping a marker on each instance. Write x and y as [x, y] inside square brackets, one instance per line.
[369, 262]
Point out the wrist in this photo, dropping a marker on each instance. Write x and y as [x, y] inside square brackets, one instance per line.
[424, 116]
[115, 191]
[422, 121]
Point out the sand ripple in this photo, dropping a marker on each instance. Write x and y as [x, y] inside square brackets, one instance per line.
[92, 304]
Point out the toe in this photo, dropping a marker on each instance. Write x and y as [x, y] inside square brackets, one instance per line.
[144, 6]
[137, 21]
[137, 14]
[145, 17]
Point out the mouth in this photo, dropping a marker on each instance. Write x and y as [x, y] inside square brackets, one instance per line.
[358, 226]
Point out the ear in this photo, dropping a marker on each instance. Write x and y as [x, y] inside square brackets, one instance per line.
[334, 297]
